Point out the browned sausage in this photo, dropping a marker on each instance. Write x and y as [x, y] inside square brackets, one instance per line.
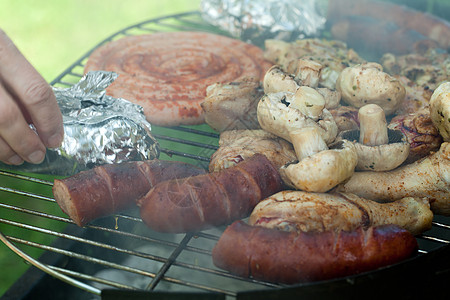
[108, 189]
[199, 202]
[288, 257]
[405, 18]
[167, 73]
[372, 35]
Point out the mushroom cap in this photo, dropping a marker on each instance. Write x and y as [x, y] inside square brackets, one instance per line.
[232, 105]
[382, 157]
[276, 116]
[332, 97]
[276, 80]
[440, 110]
[367, 83]
[324, 170]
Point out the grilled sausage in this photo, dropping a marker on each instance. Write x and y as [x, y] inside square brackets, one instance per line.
[414, 24]
[288, 257]
[199, 202]
[108, 189]
[167, 73]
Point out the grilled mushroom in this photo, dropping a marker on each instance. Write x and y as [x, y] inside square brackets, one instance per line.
[279, 114]
[367, 83]
[378, 148]
[319, 168]
[229, 106]
[276, 80]
[440, 110]
[332, 97]
[309, 102]
[277, 51]
[307, 72]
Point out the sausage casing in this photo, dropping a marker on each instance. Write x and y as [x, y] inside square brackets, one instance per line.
[108, 189]
[288, 257]
[203, 201]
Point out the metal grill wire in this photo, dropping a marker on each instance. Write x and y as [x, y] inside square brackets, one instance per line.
[122, 245]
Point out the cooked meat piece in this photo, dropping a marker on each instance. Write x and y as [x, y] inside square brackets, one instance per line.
[427, 178]
[167, 73]
[374, 36]
[232, 105]
[427, 70]
[291, 257]
[416, 98]
[238, 145]
[210, 200]
[111, 188]
[408, 19]
[303, 211]
[422, 136]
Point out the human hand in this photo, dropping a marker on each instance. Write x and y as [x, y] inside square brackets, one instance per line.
[25, 98]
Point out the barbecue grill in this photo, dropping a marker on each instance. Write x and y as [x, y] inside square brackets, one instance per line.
[118, 256]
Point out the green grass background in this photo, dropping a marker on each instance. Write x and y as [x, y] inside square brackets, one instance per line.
[53, 34]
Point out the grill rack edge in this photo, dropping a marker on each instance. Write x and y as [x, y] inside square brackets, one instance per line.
[433, 245]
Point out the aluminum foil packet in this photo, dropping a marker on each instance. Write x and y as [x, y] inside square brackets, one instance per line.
[257, 20]
[98, 129]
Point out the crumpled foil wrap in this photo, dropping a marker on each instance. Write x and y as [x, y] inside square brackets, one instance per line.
[98, 129]
[257, 20]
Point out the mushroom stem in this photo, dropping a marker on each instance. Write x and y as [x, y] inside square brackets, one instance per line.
[307, 72]
[307, 142]
[309, 101]
[373, 126]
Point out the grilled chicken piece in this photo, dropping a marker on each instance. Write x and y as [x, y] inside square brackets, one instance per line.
[237, 145]
[303, 211]
[427, 69]
[233, 105]
[427, 178]
[416, 98]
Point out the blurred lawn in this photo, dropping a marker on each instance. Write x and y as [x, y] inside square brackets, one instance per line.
[52, 34]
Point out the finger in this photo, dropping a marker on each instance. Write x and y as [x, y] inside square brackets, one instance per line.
[16, 134]
[33, 93]
[7, 155]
